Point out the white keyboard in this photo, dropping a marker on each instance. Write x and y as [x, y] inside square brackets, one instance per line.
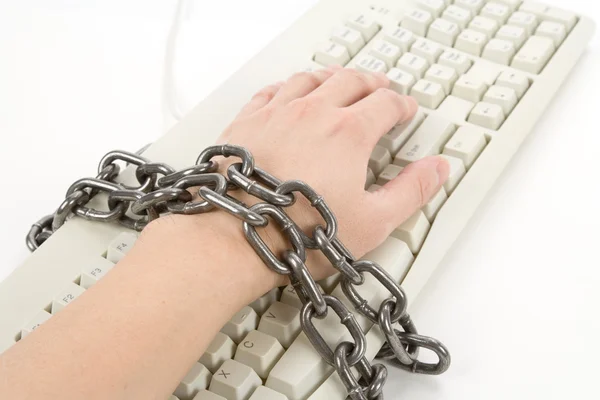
[483, 73]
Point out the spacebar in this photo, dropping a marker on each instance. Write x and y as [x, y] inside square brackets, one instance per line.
[301, 370]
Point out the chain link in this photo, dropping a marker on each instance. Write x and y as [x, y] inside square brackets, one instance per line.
[162, 190]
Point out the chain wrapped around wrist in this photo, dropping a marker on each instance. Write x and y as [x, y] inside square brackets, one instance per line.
[164, 190]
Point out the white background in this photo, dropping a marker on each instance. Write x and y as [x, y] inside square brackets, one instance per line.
[517, 298]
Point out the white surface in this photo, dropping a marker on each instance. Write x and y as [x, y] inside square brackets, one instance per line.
[522, 270]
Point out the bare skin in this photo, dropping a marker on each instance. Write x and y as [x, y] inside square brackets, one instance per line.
[136, 333]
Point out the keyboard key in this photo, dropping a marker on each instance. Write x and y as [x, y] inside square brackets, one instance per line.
[380, 158]
[443, 75]
[388, 174]
[401, 37]
[455, 60]
[373, 188]
[70, 293]
[502, 96]
[512, 4]
[400, 81]
[264, 393]
[195, 380]
[457, 172]
[370, 178]
[330, 53]
[435, 7]
[514, 80]
[396, 138]
[443, 31]
[328, 284]
[220, 349]
[171, 397]
[487, 115]
[427, 49]
[413, 64]
[470, 89]
[350, 38]
[496, 11]
[473, 5]
[368, 27]
[290, 297]
[413, 231]
[487, 26]
[371, 64]
[553, 30]
[417, 21]
[235, 381]
[35, 322]
[432, 208]
[471, 41]
[545, 12]
[427, 140]
[534, 55]
[525, 20]
[282, 322]
[120, 246]
[386, 52]
[260, 352]
[514, 34]
[428, 94]
[206, 395]
[485, 72]
[466, 144]
[261, 304]
[240, 324]
[455, 108]
[460, 16]
[95, 270]
[499, 51]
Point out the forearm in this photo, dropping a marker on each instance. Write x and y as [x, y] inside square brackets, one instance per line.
[137, 332]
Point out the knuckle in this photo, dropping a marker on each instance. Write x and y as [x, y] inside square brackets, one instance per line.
[421, 187]
[266, 92]
[360, 79]
[308, 78]
[300, 108]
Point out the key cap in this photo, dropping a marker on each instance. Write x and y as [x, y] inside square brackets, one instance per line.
[261, 304]
[370, 178]
[196, 379]
[282, 322]
[457, 172]
[553, 30]
[455, 109]
[417, 21]
[380, 157]
[471, 42]
[367, 26]
[434, 7]
[120, 246]
[400, 81]
[514, 34]
[443, 75]
[432, 208]
[386, 52]
[240, 324]
[473, 5]
[427, 140]
[290, 297]
[487, 115]
[401, 37]
[389, 173]
[499, 51]
[485, 72]
[413, 231]
[525, 20]
[235, 381]
[455, 60]
[512, 4]
[373, 188]
[427, 49]
[206, 395]
[428, 94]
[171, 397]
[95, 270]
[264, 393]
[330, 53]
[396, 138]
[566, 18]
[371, 64]
[350, 38]
[458, 15]
[502, 96]
[220, 349]
[443, 31]
[413, 64]
[534, 55]
[70, 293]
[35, 322]
[260, 352]
[469, 89]
[496, 11]
[487, 26]
[328, 284]
[466, 144]
[514, 80]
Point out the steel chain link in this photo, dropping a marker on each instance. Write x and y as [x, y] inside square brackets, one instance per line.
[162, 189]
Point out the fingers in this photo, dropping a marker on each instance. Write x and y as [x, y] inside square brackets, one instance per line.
[348, 86]
[260, 99]
[382, 110]
[408, 192]
[301, 84]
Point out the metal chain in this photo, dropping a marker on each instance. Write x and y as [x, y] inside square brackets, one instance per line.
[162, 190]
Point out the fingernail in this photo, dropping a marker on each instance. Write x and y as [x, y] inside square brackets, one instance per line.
[443, 170]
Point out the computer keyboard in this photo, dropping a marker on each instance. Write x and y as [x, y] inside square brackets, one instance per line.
[483, 73]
